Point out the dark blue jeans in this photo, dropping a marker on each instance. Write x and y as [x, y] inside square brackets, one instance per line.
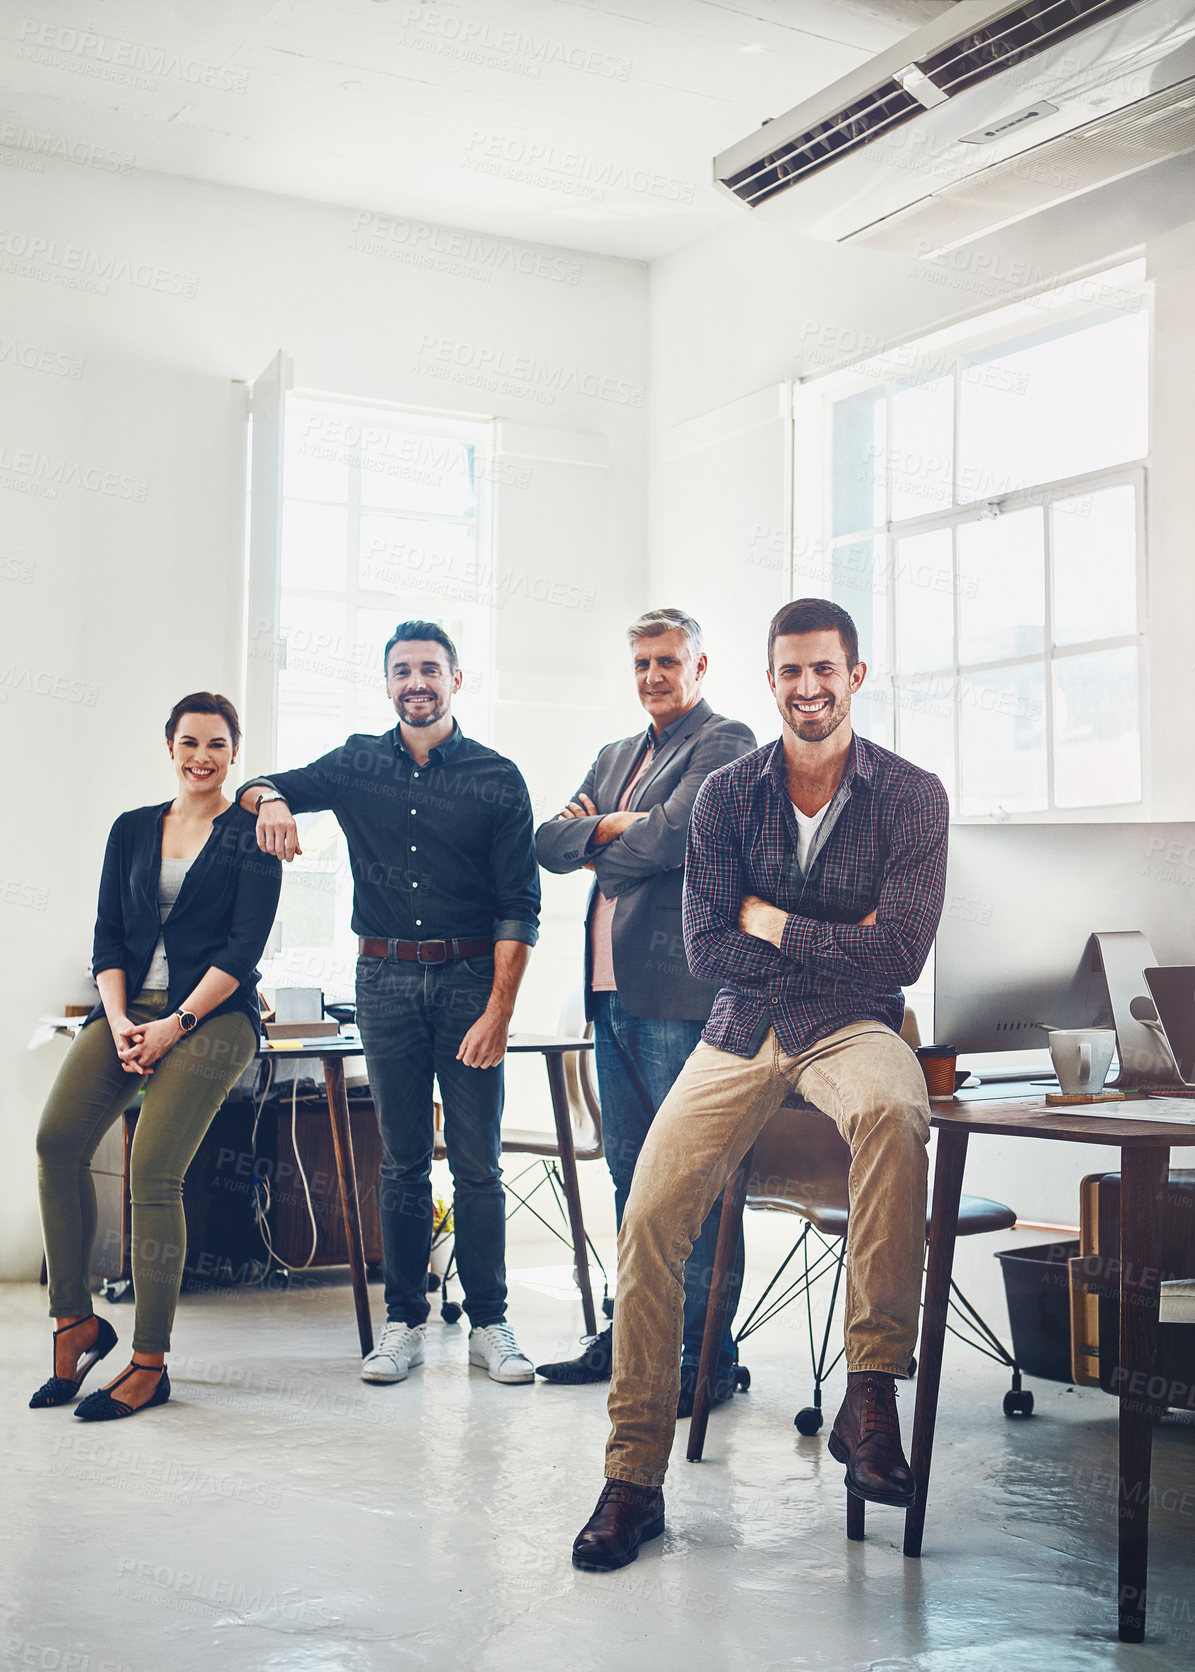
[638, 1058]
[412, 1019]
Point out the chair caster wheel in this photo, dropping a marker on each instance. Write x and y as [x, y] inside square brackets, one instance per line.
[1018, 1402]
[742, 1378]
[450, 1312]
[808, 1421]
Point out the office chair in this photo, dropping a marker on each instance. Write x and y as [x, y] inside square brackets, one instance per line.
[799, 1164]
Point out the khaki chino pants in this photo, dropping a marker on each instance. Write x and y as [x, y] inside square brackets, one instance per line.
[865, 1079]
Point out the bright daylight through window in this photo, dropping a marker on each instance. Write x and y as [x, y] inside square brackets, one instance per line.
[982, 504]
[384, 519]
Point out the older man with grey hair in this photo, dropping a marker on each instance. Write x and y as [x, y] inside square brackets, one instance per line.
[628, 824]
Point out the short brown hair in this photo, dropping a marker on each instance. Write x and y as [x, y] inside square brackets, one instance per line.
[204, 702]
[815, 615]
[412, 632]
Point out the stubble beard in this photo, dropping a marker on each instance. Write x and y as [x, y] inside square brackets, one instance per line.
[816, 728]
[424, 717]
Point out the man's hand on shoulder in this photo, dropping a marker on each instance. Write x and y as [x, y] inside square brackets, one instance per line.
[761, 920]
[277, 832]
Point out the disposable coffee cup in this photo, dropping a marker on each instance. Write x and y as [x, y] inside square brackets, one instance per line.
[938, 1066]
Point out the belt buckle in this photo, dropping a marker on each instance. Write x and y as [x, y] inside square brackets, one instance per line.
[442, 959]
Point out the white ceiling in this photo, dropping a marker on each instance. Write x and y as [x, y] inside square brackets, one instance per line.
[586, 123]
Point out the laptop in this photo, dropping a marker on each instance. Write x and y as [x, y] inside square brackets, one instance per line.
[1172, 988]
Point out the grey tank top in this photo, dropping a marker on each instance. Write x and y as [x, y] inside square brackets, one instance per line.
[157, 977]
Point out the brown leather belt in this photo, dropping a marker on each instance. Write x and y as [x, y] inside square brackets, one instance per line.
[425, 951]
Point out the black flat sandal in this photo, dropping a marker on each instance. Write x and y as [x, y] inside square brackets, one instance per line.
[59, 1389]
[101, 1407]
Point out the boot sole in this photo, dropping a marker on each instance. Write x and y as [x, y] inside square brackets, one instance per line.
[596, 1564]
[891, 1499]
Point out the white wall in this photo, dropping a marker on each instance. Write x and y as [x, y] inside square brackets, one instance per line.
[737, 315]
[122, 580]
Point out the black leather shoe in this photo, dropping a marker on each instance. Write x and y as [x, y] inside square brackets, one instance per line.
[725, 1383]
[866, 1437]
[593, 1365]
[625, 1517]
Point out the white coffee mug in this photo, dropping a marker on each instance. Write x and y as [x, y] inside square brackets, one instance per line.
[1081, 1058]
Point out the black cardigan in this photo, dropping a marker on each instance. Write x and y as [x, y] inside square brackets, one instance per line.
[221, 919]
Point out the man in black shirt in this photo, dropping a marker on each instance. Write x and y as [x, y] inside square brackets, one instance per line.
[446, 908]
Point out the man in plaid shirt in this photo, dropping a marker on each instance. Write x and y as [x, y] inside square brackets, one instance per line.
[814, 882]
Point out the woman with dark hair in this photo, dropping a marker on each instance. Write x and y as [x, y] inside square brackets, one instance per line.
[186, 903]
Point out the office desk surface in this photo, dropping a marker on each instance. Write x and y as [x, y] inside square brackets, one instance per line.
[1023, 1117]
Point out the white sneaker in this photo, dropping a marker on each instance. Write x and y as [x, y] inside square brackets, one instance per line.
[495, 1349]
[399, 1350]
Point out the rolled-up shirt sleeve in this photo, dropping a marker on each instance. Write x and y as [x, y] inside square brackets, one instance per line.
[514, 871]
[307, 789]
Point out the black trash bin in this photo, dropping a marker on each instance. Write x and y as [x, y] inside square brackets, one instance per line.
[1037, 1288]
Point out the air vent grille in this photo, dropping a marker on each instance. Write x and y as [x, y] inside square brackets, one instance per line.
[1019, 34]
[877, 112]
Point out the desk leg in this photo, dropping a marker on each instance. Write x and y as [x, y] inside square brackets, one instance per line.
[948, 1187]
[572, 1189]
[346, 1173]
[1143, 1175]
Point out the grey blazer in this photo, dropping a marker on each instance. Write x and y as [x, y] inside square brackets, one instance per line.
[643, 869]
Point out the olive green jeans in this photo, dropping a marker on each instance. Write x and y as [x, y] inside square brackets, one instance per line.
[91, 1091]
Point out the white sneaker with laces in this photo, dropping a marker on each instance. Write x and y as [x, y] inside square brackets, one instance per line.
[495, 1349]
[399, 1350]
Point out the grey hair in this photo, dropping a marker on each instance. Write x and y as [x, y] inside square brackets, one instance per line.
[654, 622]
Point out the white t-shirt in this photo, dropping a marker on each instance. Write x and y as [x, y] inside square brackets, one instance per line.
[808, 825]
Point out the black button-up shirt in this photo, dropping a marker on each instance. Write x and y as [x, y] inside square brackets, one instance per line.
[437, 852]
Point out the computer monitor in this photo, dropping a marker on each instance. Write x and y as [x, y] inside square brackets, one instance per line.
[1015, 953]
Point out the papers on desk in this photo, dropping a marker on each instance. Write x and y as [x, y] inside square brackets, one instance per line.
[1177, 1110]
[49, 1027]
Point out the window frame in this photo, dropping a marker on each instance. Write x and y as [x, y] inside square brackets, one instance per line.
[325, 964]
[948, 353]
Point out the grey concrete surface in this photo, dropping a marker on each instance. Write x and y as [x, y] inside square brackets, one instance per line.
[280, 1516]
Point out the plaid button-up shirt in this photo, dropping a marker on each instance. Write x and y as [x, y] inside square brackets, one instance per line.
[881, 846]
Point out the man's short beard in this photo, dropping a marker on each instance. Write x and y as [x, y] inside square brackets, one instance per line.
[437, 713]
[838, 712]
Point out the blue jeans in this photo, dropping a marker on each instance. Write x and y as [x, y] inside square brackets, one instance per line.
[412, 1019]
[638, 1058]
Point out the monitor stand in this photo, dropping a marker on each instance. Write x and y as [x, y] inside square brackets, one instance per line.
[1145, 1057]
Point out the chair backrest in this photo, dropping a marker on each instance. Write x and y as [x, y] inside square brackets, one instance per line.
[580, 1078]
[800, 1163]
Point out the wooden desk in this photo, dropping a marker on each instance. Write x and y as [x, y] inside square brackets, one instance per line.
[332, 1052]
[1145, 1164]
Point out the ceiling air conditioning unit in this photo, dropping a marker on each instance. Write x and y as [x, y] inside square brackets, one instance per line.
[986, 115]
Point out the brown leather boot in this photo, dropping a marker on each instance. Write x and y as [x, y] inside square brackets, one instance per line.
[626, 1515]
[866, 1437]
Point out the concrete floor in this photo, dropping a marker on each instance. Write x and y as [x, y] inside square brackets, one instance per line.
[279, 1516]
